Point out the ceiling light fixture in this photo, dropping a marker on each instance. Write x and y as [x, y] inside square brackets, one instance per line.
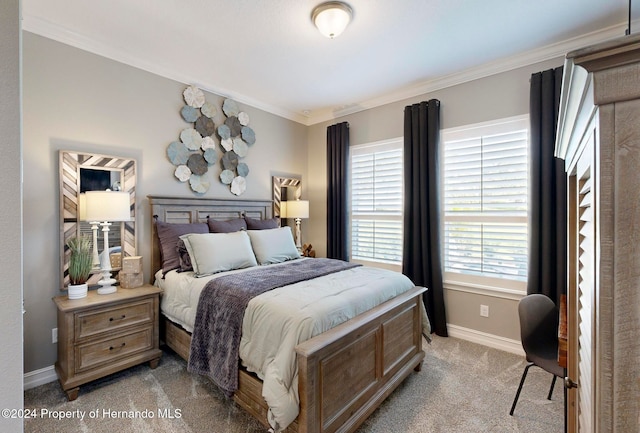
[331, 18]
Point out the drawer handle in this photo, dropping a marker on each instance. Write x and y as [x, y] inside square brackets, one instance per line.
[111, 319]
[121, 346]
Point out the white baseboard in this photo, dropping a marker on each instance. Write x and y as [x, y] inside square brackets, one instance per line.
[39, 377]
[490, 340]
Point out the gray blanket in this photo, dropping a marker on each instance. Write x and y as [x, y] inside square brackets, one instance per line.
[215, 342]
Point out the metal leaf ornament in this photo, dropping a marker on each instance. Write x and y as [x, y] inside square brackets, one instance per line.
[234, 126]
[178, 153]
[197, 164]
[199, 183]
[193, 96]
[205, 126]
[189, 113]
[209, 110]
[230, 107]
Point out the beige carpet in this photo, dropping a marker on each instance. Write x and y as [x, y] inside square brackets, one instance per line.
[463, 387]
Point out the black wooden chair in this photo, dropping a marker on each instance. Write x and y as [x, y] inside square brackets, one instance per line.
[539, 333]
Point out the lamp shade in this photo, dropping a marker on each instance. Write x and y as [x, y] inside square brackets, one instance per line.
[296, 209]
[106, 206]
[331, 18]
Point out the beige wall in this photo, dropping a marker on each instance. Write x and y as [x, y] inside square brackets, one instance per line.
[10, 216]
[494, 97]
[79, 101]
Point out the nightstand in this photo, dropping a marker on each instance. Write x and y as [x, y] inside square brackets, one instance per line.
[103, 334]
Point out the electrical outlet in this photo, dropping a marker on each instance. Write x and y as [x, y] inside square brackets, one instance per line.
[484, 310]
[54, 335]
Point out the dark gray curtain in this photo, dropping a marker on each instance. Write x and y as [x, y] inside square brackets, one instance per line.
[548, 197]
[337, 176]
[421, 259]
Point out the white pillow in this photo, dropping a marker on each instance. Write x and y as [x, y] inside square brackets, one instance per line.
[273, 245]
[216, 252]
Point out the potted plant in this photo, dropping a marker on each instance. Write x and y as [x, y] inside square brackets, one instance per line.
[80, 265]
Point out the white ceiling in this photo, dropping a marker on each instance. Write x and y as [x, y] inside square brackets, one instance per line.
[268, 54]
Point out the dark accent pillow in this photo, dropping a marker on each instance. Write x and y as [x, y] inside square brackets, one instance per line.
[228, 226]
[256, 224]
[184, 257]
[169, 235]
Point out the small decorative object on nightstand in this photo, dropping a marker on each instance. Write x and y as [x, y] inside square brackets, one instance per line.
[131, 273]
[100, 335]
[308, 251]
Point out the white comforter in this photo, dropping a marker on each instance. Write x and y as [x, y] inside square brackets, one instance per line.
[276, 321]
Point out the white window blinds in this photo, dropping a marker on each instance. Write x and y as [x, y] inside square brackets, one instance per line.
[376, 202]
[485, 200]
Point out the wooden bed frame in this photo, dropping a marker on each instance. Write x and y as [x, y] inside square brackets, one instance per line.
[345, 373]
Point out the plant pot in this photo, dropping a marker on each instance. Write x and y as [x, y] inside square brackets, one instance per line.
[77, 291]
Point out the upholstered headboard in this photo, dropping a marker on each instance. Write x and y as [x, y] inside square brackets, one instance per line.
[192, 210]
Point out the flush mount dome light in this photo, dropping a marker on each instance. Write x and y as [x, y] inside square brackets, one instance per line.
[331, 18]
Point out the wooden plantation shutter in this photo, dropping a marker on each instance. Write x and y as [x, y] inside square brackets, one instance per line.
[376, 202]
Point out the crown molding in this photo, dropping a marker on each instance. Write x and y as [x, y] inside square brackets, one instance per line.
[53, 31]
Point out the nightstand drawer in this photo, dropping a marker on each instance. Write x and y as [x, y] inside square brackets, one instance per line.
[101, 352]
[89, 323]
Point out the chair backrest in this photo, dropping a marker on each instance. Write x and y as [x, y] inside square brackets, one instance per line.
[538, 324]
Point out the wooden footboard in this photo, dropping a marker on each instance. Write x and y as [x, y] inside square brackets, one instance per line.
[345, 373]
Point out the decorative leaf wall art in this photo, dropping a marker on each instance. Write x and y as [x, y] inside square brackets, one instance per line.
[195, 152]
[235, 139]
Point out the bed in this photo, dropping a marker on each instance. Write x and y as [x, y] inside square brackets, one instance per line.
[370, 354]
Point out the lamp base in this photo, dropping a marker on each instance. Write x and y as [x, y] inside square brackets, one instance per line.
[298, 235]
[106, 284]
[106, 290]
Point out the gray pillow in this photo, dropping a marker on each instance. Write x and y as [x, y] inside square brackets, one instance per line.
[228, 226]
[256, 224]
[168, 235]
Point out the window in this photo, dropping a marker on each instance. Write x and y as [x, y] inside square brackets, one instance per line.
[485, 202]
[376, 203]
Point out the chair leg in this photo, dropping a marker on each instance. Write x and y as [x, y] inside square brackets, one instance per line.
[524, 376]
[553, 382]
[566, 413]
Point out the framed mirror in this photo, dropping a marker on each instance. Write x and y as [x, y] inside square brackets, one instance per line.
[285, 188]
[81, 172]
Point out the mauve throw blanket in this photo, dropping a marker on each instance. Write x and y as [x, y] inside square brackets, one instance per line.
[215, 341]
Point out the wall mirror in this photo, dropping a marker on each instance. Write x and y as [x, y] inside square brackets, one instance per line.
[81, 172]
[284, 188]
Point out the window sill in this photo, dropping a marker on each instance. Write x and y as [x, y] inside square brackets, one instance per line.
[484, 290]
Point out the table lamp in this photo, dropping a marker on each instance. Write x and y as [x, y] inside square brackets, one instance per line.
[296, 209]
[106, 207]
